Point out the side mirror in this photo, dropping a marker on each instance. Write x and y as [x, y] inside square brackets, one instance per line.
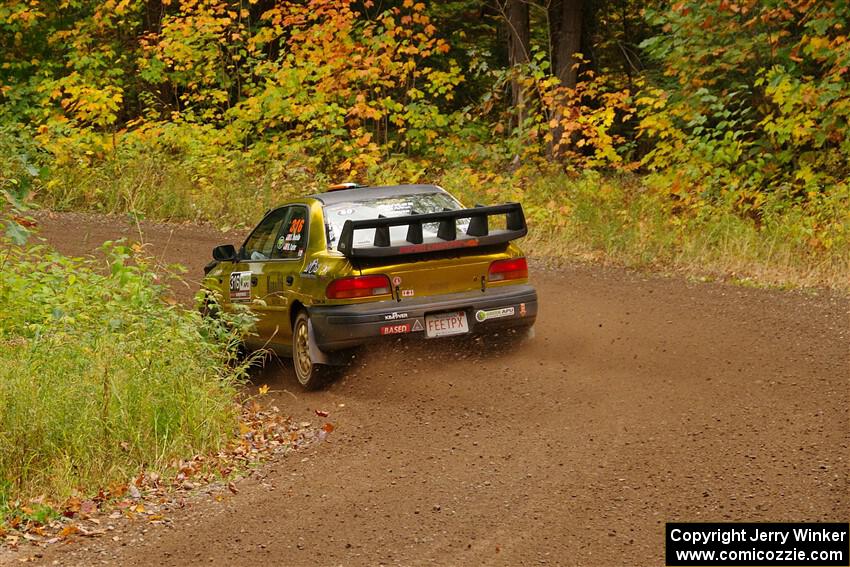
[224, 253]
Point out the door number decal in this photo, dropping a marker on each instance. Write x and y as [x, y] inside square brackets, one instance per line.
[240, 286]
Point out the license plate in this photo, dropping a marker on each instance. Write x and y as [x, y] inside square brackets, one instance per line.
[445, 324]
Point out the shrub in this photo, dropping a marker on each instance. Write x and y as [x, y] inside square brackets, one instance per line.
[99, 377]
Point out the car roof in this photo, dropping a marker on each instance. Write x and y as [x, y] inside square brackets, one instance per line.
[367, 193]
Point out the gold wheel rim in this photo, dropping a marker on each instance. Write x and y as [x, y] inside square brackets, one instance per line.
[303, 364]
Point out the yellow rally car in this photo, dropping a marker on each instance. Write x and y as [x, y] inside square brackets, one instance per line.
[335, 270]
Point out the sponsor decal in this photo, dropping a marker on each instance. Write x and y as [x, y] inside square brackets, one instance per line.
[312, 268]
[522, 309]
[395, 315]
[434, 246]
[482, 315]
[240, 286]
[397, 281]
[407, 293]
[280, 242]
[417, 326]
[395, 329]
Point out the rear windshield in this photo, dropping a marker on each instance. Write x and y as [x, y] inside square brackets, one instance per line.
[338, 213]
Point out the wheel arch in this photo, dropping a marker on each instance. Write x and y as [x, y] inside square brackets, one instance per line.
[295, 308]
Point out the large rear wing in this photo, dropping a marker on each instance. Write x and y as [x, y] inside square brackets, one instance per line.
[478, 233]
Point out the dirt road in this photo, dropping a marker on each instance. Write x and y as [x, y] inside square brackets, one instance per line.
[641, 400]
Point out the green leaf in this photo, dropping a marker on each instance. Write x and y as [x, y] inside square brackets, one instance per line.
[17, 233]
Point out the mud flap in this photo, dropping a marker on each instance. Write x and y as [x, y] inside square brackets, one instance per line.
[317, 355]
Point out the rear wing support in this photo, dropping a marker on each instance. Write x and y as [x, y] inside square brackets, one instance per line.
[478, 232]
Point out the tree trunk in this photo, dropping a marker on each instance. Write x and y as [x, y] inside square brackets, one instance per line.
[565, 29]
[567, 43]
[519, 47]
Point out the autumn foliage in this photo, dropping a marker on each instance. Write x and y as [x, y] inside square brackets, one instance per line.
[215, 109]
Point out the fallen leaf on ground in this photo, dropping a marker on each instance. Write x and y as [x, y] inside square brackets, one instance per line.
[88, 507]
[68, 530]
[134, 491]
[72, 506]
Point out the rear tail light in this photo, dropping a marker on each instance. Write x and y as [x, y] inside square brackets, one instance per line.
[358, 286]
[513, 269]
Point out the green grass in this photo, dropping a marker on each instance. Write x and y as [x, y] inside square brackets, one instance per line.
[99, 377]
[623, 220]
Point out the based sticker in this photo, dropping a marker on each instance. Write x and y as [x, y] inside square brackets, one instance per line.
[240, 286]
[395, 329]
[483, 315]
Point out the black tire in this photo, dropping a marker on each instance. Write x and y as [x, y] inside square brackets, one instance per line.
[309, 374]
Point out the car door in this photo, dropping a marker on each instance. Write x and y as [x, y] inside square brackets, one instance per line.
[272, 257]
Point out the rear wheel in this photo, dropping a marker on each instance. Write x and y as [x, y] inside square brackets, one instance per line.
[310, 374]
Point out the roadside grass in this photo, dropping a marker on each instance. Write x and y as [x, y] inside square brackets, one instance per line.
[628, 220]
[101, 378]
[623, 221]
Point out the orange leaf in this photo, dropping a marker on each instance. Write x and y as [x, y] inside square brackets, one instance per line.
[68, 530]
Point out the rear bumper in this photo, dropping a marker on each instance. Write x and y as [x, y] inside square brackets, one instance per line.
[342, 326]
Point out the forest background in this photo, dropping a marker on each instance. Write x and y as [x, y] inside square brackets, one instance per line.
[708, 137]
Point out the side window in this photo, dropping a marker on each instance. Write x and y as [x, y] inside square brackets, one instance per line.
[292, 239]
[261, 244]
